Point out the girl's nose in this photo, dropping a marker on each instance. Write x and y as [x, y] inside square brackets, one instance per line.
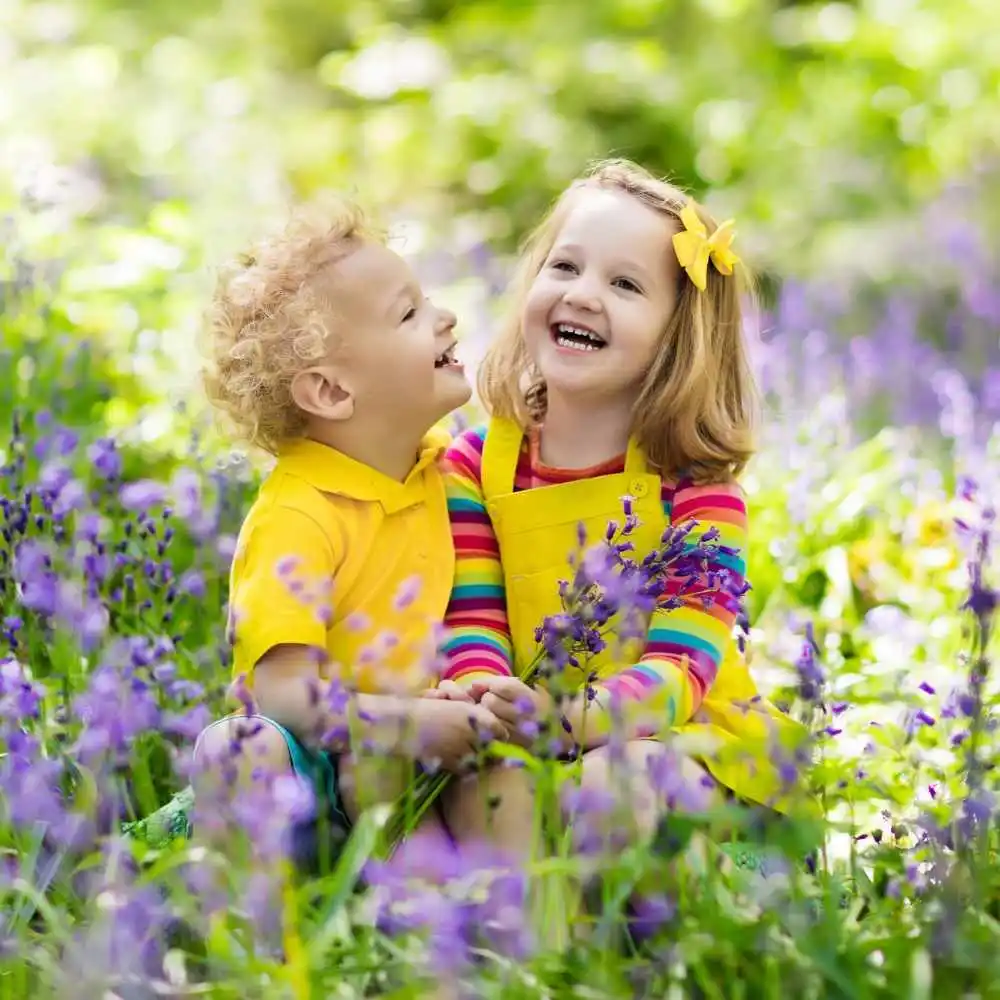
[582, 295]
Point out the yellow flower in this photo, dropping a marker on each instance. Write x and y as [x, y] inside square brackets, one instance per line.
[933, 527]
[694, 247]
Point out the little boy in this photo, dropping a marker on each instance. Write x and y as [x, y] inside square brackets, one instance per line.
[325, 353]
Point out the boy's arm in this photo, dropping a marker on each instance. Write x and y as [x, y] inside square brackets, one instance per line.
[684, 645]
[478, 644]
[283, 577]
[282, 581]
[287, 688]
[283, 587]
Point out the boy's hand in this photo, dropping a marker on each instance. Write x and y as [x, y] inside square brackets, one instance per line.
[451, 732]
[448, 691]
[520, 707]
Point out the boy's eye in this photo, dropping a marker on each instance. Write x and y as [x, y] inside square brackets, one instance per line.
[628, 284]
[410, 313]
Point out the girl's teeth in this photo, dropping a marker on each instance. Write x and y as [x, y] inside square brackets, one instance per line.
[577, 338]
[576, 345]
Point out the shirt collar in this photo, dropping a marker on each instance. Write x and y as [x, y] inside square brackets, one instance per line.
[331, 471]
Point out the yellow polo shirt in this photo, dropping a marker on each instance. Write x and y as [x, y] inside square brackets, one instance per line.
[337, 556]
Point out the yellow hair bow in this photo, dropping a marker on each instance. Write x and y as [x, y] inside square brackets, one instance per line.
[694, 247]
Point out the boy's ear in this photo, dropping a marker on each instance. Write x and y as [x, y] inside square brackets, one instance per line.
[323, 393]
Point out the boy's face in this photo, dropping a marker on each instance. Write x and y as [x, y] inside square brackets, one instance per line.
[393, 347]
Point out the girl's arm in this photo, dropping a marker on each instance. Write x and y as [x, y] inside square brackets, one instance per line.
[478, 643]
[684, 645]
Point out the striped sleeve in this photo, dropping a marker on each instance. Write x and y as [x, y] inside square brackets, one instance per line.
[685, 644]
[478, 642]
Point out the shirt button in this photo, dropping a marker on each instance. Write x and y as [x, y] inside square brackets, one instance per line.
[638, 488]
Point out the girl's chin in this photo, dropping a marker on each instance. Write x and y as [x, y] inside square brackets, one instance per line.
[582, 387]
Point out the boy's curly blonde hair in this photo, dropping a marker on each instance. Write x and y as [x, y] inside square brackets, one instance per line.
[268, 321]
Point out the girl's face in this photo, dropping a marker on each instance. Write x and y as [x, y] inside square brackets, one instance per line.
[594, 315]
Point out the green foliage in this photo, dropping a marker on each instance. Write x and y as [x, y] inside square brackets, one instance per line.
[142, 142]
[814, 123]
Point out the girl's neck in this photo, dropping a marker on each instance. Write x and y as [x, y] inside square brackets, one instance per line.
[578, 436]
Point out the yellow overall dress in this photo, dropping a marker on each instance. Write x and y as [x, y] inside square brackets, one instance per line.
[735, 731]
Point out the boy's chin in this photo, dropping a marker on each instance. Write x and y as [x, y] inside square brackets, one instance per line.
[455, 395]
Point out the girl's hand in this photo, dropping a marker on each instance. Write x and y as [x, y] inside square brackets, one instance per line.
[521, 708]
[449, 733]
[448, 691]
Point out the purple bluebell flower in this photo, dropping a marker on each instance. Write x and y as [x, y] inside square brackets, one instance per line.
[105, 458]
[115, 709]
[187, 725]
[677, 790]
[588, 812]
[54, 476]
[142, 495]
[809, 669]
[20, 696]
[30, 784]
[650, 914]
[124, 936]
[455, 897]
[38, 583]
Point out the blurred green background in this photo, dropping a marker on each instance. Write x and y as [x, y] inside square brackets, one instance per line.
[142, 142]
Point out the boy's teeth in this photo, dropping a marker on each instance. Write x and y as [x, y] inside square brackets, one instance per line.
[445, 358]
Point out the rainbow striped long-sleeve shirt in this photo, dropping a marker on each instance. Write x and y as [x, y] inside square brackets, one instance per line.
[684, 646]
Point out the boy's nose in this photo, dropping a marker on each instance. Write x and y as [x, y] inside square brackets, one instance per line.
[447, 320]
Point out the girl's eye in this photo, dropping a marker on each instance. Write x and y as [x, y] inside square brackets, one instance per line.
[628, 284]
[563, 265]
[410, 313]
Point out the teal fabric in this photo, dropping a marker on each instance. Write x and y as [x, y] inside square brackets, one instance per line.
[319, 767]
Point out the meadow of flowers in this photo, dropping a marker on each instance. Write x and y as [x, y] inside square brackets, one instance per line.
[870, 618]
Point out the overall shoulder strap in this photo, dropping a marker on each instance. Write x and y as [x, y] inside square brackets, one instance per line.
[635, 459]
[501, 449]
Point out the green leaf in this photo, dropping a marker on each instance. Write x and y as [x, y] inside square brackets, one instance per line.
[509, 751]
[342, 881]
[921, 975]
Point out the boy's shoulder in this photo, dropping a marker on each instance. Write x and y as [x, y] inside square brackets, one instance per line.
[280, 490]
[310, 482]
[289, 505]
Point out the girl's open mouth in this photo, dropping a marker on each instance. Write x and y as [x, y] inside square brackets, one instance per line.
[577, 338]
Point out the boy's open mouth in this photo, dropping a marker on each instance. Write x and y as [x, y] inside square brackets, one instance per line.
[577, 338]
[446, 358]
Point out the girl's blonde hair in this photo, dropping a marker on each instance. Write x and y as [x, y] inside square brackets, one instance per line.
[695, 410]
[269, 320]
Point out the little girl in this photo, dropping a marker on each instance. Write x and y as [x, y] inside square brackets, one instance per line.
[621, 371]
